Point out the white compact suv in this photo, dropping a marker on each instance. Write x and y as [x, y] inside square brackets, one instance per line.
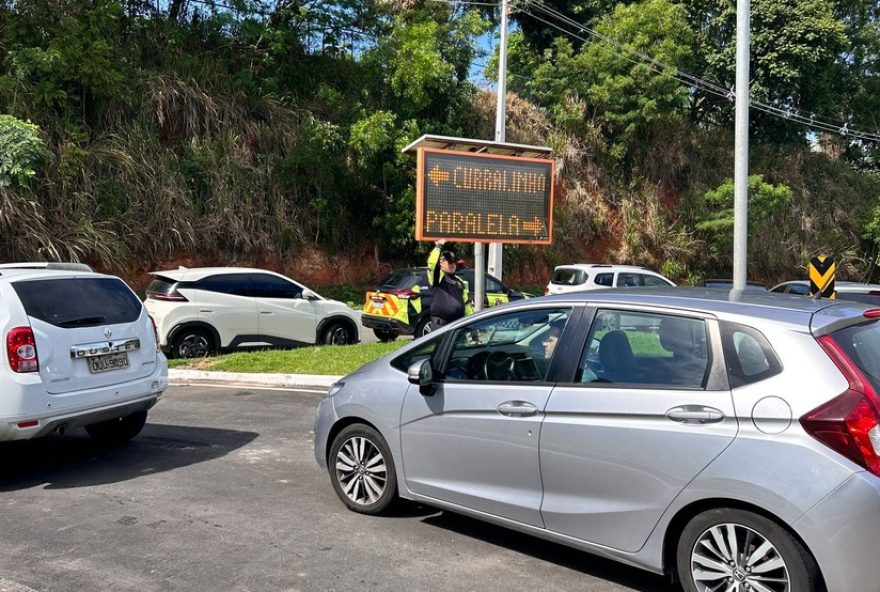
[200, 311]
[592, 276]
[81, 351]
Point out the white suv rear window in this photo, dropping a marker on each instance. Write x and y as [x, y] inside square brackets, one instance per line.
[569, 277]
[79, 302]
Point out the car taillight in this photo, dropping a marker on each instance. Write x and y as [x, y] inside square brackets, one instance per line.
[849, 423]
[546, 290]
[405, 294]
[155, 331]
[21, 350]
[173, 296]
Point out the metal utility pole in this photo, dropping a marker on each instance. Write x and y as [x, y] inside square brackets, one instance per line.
[741, 148]
[495, 249]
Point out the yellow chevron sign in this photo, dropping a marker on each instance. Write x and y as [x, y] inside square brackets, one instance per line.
[822, 271]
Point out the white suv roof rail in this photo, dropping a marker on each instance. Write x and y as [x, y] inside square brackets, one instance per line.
[48, 265]
[600, 266]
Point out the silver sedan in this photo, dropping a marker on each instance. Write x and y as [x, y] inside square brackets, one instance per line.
[729, 439]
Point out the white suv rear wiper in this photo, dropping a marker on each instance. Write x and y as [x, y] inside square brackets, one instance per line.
[81, 321]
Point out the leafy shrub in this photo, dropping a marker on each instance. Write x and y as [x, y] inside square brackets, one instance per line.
[21, 151]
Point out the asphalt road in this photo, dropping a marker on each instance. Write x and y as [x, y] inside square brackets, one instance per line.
[220, 492]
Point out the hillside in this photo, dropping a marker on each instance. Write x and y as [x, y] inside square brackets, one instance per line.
[269, 133]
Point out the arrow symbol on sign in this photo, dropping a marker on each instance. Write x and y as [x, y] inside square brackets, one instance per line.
[436, 175]
[534, 226]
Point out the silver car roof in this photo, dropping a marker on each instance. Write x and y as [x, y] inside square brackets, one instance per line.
[820, 316]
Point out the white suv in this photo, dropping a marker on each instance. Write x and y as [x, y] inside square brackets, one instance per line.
[201, 311]
[81, 351]
[591, 276]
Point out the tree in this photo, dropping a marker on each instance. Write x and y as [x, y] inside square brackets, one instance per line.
[767, 203]
[21, 151]
[622, 91]
[796, 53]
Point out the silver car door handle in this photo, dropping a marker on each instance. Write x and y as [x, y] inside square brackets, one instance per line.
[695, 414]
[205, 310]
[265, 312]
[517, 409]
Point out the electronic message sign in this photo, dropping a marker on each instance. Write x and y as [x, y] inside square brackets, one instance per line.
[483, 198]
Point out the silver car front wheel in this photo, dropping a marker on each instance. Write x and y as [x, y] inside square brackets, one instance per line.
[362, 470]
[734, 550]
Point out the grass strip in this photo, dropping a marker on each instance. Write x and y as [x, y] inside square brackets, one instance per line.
[322, 359]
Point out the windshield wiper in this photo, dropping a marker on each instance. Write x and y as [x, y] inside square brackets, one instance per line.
[82, 321]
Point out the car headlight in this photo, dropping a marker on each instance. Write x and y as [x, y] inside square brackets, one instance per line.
[335, 388]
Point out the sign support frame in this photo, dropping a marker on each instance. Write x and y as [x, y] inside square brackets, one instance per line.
[480, 147]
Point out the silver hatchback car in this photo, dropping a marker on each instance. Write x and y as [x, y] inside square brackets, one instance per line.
[729, 439]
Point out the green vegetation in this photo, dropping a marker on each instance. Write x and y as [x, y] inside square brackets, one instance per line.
[137, 135]
[21, 151]
[341, 359]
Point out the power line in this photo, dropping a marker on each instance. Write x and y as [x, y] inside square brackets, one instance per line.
[694, 81]
[216, 5]
[468, 3]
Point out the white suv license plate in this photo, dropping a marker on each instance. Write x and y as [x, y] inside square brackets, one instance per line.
[108, 363]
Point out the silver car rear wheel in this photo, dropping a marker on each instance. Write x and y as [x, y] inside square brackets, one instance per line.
[362, 470]
[734, 557]
[734, 550]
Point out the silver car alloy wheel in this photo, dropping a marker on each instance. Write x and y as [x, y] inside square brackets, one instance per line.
[361, 471]
[734, 558]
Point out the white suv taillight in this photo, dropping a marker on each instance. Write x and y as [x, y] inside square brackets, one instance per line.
[21, 349]
[849, 423]
[155, 331]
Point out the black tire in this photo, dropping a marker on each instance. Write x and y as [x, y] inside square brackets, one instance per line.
[362, 470]
[697, 549]
[193, 343]
[119, 430]
[337, 334]
[424, 327]
[384, 335]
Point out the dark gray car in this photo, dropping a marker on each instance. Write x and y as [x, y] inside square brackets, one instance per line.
[729, 438]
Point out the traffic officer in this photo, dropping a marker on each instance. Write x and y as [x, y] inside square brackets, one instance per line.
[449, 293]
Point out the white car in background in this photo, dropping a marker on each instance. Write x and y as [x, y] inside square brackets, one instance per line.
[201, 311]
[593, 276]
[81, 351]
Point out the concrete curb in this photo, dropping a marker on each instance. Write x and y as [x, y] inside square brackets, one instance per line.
[183, 377]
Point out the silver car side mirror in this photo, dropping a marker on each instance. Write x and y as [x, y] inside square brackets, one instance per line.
[422, 374]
